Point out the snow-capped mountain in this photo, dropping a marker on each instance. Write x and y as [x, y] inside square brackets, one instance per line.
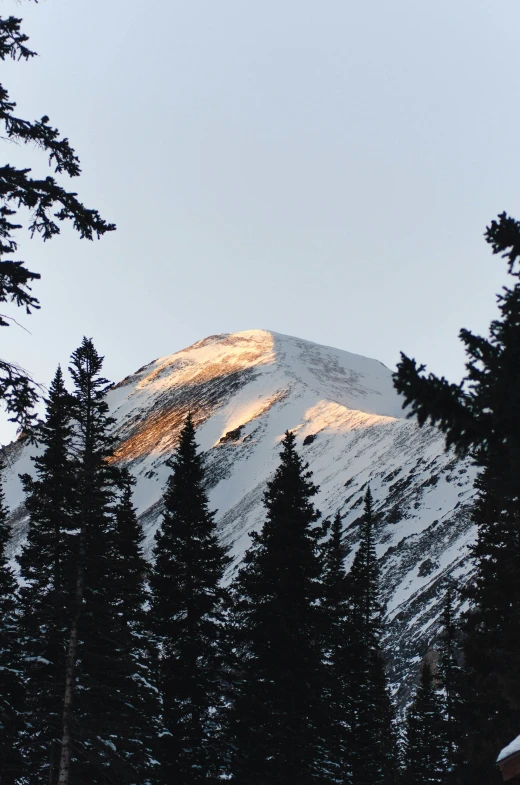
[244, 391]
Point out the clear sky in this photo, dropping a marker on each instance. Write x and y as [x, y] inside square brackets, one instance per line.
[321, 169]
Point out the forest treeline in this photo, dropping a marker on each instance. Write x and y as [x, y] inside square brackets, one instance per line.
[114, 670]
[187, 669]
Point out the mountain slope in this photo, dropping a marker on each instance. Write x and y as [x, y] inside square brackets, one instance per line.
[244, 390]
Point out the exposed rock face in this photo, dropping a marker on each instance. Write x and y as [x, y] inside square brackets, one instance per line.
[244, 390]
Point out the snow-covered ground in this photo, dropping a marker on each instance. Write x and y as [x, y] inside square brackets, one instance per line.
[511, 749]
[244, 391]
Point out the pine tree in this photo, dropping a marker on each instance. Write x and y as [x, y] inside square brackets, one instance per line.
[480, 417]
[46, 598]
[11, 687]
[187, 602]
[425, 734]
[103, 734]
[337, 646]
[134, 673]
[491, 713]
[373, 750]
[277, 727]
[85, 741]
[451, 676]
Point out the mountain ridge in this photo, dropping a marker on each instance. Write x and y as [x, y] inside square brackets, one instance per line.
[244, 390]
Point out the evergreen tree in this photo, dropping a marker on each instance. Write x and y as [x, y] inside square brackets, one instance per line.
[85, 749]
[480, 417]
[101, 742]
[134, 674]
[373, 741]
[277, 726]
[11, 689]
[46, 597]
[451, 675]
[338, 651]
[425, 739]
[187, 602]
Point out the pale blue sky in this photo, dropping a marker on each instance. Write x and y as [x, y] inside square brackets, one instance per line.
[322, 169]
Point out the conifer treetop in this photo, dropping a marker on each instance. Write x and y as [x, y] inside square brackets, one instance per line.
[335, 551]
[186, 456]
[287, 547]
[291, 477]
[366, 598]
[475, 415]
[91, 408]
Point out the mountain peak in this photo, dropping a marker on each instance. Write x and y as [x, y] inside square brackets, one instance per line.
[244, 390]
[283, 361]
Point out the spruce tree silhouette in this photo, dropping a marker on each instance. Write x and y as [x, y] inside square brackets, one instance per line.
[46, 596]
[132, 657]
[373, 738]
[480, 417]
[451, 678]
[187, 610]
[338, 640]
[425, 759]
[277, 726]
[102, 699]
[12, 719]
